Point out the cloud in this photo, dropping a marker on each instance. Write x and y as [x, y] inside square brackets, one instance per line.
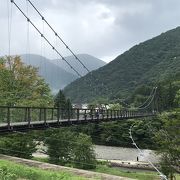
[103, 28]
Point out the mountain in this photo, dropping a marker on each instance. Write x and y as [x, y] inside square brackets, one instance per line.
[55, 76]
[149, 62]
[89, 61]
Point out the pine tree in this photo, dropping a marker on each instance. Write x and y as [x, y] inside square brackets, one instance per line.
[60, 100]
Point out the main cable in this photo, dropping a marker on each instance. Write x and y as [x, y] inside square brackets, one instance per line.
[42, 35]
[56, 34]
[150, 97]
[27, 37]
[44, 20]
[147, 98]
[9, 7]
[155, 89]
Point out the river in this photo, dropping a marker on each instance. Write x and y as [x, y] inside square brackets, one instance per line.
[124, 154]
[116, 153]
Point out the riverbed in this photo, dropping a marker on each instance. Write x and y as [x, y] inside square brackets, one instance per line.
[115, 153]
[124, 154]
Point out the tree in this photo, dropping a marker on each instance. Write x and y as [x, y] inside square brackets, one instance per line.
[168, 140]
[21, 84]
[99, 102]
[68, 104]
[67, 147]
[170, 96]
[64, 105]
[116, 106]
[60, 100]
[60, 146]
[177, 98]
[18, 145]
[84, 156]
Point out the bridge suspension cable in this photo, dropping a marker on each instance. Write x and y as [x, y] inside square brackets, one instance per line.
[57, 35]
[146, 103]
[43, 36]
[67, 47]
[27, 36]
[9, 11]
[147, 98]
[153, 96]
[53, 47]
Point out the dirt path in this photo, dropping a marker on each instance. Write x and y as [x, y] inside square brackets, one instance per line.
[84, 173]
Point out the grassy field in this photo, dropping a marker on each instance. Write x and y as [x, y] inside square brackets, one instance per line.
[12, 171]
[127, 173]
[103, 168]
[141, 175]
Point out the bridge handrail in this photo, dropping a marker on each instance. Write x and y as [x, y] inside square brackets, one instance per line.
[83, 109]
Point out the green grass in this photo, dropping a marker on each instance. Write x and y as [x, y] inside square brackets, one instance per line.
[103, 168]
[40, 159]
[127, 173]
[12, 171]
[144, 175]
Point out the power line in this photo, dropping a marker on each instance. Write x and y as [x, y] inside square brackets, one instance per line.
[44, 152]
[26, 153]
[21, 152]
[56, 34]
[141, 153]
[78, 162]
[42, 35]
[52, 128]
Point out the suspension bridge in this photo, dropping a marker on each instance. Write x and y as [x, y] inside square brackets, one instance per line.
[16, 118]
[24, 118]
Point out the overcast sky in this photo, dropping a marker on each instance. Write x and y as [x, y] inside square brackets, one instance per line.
[102, 28]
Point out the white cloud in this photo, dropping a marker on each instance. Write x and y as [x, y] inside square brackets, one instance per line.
[103, 28]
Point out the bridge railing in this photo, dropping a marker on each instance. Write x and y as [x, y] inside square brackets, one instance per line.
[27, 115]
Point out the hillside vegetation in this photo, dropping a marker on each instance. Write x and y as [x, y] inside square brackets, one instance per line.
[150, 62]
[54, 75]
[89, 61]
[57, 73]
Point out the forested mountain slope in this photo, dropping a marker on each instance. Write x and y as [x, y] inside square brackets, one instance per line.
[89, 61]
[149, 62]
[54, 75]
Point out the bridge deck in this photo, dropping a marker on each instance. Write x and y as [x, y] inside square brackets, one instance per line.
[26, 118]
[34, 125]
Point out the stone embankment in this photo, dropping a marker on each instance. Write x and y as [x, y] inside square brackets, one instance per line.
[79, 172]
[132, 164]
